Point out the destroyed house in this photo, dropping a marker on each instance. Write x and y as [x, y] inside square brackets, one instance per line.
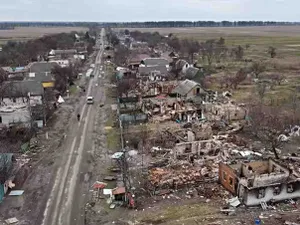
[20, 100]
[7, 164]
[259, 182]
[155, 88]
[163, 108]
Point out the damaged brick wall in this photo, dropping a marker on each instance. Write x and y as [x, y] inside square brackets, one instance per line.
[228, 178]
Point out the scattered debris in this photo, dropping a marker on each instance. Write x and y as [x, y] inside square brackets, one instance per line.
[16, 192]
[235, 202]
[109, 178]
[12, 220]
[291, 223]
[112, 206]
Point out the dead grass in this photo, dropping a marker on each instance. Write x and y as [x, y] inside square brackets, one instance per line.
[194, 213]
[26, 33]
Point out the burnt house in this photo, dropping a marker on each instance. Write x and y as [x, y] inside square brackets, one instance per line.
[260, 181]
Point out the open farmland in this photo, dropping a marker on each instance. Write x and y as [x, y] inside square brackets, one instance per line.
[26, 33]
[287, 38]
[255, 42]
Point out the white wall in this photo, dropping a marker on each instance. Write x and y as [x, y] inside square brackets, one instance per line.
[21, 111]
[19, 115]
[251, 196]
[62, 62]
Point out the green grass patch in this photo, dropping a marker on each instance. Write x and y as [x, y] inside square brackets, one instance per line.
[73, 89]
[113, 139]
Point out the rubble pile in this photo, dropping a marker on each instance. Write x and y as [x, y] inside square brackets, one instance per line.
[177, 177]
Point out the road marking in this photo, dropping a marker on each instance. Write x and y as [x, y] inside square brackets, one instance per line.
[66, 169]
[51, 197]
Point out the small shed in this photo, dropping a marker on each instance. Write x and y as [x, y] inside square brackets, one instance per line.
[119, 193]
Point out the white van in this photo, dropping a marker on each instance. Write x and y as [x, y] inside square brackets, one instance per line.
[90, 100]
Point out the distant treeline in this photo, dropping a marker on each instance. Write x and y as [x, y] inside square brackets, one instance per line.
[11, 25]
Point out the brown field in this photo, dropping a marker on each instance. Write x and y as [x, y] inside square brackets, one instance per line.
[229, 31]
[25, 33]
[287, 35]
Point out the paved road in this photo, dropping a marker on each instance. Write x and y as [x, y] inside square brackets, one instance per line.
[65, 205]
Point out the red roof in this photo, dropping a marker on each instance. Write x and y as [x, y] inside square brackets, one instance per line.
[99, 185]
[118, 190]
[161, 97]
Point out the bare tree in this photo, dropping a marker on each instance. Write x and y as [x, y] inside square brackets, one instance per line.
[257, 68]
[122, 55]
[272, 52]
[174, 43]
[261, 89]
[124, 86]
[3, 76]
[240, 76]
[277, 78]
[238, 53]
[267, 123]
[208, 51]
[220, 50]
[64, 76]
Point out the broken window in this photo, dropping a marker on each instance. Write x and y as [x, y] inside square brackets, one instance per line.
[224, 175]
[261, 193]
[230, 181]
[290, 188]
[277, 190]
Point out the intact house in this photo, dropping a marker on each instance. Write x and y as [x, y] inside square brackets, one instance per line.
[260, 181]
[135, 61]
[15, 73]
[61, 62]
[41, 72]
[62, 54]
[154, 69]
[45, 78]
[188, 89]
[22, 102]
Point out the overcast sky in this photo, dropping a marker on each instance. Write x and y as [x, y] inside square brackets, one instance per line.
[148, 10]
